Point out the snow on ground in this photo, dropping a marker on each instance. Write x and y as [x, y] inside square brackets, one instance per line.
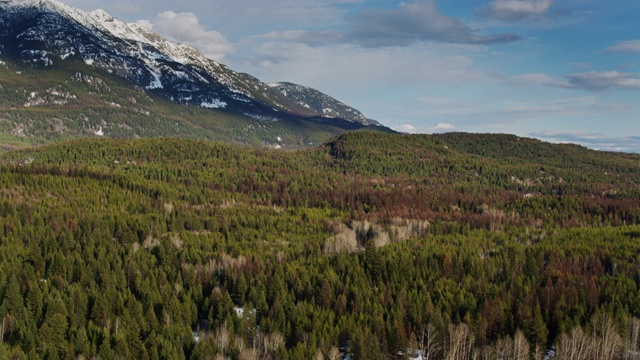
[214, 104]
[156, 83]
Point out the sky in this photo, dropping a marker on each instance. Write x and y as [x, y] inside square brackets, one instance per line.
[556, 70]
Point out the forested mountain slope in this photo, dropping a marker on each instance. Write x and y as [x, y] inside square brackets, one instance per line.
[74, 100]
[66, 73]
[371, 243]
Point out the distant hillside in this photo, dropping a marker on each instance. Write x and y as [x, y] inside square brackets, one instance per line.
[531, 150]
[389, 174]
[175, 248]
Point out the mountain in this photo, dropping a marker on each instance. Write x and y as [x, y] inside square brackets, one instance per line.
[320, 103]
[45, 40]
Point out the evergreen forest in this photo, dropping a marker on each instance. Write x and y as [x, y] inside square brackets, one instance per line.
[369, 246]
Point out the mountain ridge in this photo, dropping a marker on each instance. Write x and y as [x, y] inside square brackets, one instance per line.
[46, 35]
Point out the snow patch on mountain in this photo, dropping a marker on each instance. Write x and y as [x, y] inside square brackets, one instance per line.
[261, 117]
[138, 54]
[156, 83]
[214, 104]
[322, 104]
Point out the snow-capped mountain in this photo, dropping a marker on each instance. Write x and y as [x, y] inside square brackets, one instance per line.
[45, 33]
[319, 102]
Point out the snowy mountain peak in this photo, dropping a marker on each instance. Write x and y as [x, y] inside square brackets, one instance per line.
[101, 15]
[50, 5]
[44, 32]
[322, 103]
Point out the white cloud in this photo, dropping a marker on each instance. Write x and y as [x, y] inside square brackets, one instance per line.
[516, 10]
[597, 141]
[406, 128]
[589, 81]
[632, 46]
[185, 27]
[530, 111]
[511, 111]
[351, 69]
[376, 81]
[601, 81]
[402, 26]
[567, 135]
[305, 37]
[419, 20]
[442, 127]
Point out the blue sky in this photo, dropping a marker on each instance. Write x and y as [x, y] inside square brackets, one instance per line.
[561, 71]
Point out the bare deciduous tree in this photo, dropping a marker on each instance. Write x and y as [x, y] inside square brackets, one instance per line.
[3, 327]
[460, 343]
[249, 354]
[520, 346]
[606, 342]
[222, 337]
[574, 346]
[240, 343]
[503, 349]
[538, 353]
[271, 343]
[632, 348]
[318, 355]
[334, 353]
[428, 342]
